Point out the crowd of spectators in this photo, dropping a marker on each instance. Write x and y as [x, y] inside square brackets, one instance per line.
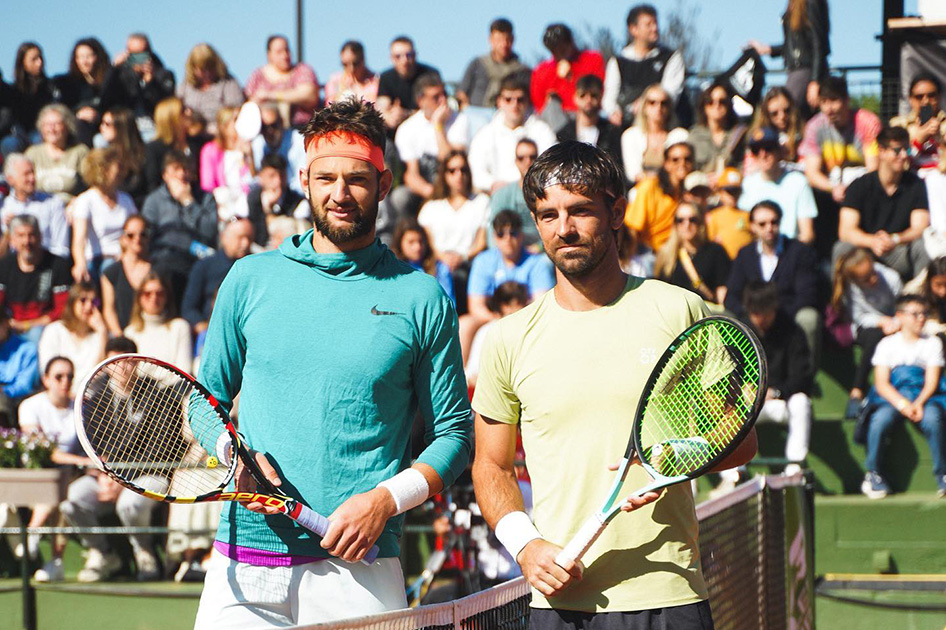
[128, 194]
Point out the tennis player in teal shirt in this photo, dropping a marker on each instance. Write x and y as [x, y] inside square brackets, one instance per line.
[334, 345]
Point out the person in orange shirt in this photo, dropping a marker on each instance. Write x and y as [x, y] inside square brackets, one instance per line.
[727, 224]
[650, 213]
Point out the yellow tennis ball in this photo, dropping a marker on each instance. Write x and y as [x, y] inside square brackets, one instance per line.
[212, 462]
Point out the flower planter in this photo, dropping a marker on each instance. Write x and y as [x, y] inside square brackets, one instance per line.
[19, 486]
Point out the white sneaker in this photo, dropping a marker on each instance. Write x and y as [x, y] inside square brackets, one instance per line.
[98, 566]
[50, 572]
[32, 545]
[792, 469]
[147, 565]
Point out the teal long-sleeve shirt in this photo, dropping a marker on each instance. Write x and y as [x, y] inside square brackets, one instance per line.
[333, 355]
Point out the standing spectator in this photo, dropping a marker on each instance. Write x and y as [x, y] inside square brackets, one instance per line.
[18, 371]
[207, 274]
[773, 182]
[227, 168]
[207, 85]
[493, 149]
[79, 335]
[25, 199]
[354, 79]
[779, 113]
[589, 125]
[33, 282]
[396, 85]
[171, 121]
[121, 281]
[898, 362]
[726, 224]
[718, 137]
[642, 63]
[184, 220]
[139, 81]
[293, 86]
[886, 210]
[80, 88]
[689, 260]
[509, 197]
[275, 138]
[805, 50]
[653, 201]
[557, 76]
[642, 145]
[32, 91]
[479, 86]
[58, 158]
[119, 130]
[272, 197]
[153, 325]
[412, 245]
[866, 291]
[926, 123]
[98, 215]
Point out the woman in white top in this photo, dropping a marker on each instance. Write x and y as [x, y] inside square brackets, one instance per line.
[80, 335]
[155, 329]
[454, 217]
[98, 215]
[642, 145]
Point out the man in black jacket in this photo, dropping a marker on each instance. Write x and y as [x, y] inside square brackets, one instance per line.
[138, 81]
[272, 197]
[789, 264]
[589, 125]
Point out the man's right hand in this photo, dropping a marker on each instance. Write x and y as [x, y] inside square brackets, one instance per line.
[180, 190]
[537, 561]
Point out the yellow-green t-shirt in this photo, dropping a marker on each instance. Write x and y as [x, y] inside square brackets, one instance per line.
[573, 380]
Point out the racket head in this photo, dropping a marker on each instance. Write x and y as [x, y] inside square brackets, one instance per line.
[155, 430]
[701, 399]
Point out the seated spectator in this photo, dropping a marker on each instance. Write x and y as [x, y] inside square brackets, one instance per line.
[424, 139]
[50, 413]
[119, 131]
[643, 62]
[154, 327]
[80, 88]
[786, 262]
[508, 261]
[121, 280]
[33, 282]
[557, 76]
[509, 297]
[207, 273]
[227, 168]
[932, 286]
[98, 215]
[58, 159]
[275, 139]
[634, 261]
[138, 81]
[396, 84]
[772, 181]
[886, 210]
[412, 245]
[589, 125]
[208, 85]
[171, 121]
[727, 224]
[509, 197]
[479, 86]
[293, 86]
[926, 123]
[48, 209]
[282, 227]
[687, 259]
[32, 91]
[455, 217]
[642, 144]
[493, 149]
[184, 221]
[654, 200]
[91, 496]
[777, 112]
[907, 369]
[354, 79]
[865, 291]
[790, 373]
[19, 371]
[718, 138]
[79, 335]
[272, 197]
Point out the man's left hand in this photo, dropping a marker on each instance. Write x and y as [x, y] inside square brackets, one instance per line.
[357, 523]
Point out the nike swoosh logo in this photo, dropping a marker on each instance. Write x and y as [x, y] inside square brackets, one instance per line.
[375, 311]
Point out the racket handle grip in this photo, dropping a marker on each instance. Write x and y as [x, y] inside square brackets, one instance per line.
[579, 545]
[315, 522]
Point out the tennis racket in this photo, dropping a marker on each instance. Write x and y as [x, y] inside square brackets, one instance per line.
[701, 399]
[158, 432]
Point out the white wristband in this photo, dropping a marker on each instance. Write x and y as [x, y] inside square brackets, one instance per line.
[409, 489]
[223, 448]
[515, 531]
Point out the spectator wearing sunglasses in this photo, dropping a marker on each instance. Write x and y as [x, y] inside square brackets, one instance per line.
[396, 85]
[509, 197]
[355, 79]
[690, 260]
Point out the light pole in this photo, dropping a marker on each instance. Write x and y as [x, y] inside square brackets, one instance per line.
[299, 55]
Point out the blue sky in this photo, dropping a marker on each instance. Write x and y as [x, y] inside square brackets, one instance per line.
[447, 34]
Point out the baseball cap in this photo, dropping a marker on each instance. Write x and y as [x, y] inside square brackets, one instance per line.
[696, 179]
[729, 178]
[676, 136]
[763, 137]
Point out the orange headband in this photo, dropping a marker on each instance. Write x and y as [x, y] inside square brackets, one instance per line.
[343, 144]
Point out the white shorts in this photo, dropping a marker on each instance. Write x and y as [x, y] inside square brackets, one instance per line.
[243, 596]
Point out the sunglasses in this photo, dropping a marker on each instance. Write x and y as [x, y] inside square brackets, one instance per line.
[765, 223]
[408, 55]
[509, 233]
[682, 220]
[717, 101]
[62, 377]
[684, 158]
[457, 169]
[527, 156]
[661, 102]
[136, 234]
[514, 99]
[930, 95]
[156, 293]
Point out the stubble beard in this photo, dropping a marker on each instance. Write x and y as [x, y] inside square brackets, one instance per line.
[580, 263]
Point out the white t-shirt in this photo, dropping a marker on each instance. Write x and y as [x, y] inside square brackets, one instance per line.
[417, 136]
[84, 353]
[894, 351]
[105, 223]
[38, 412]
[454, 230]
[791, 192]
[493, 149]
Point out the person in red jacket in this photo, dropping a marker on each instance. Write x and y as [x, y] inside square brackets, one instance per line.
[558, 75]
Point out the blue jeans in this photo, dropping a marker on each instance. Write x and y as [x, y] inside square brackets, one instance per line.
[885, 417]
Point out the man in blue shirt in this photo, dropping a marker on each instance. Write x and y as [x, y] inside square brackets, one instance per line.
[19, 370]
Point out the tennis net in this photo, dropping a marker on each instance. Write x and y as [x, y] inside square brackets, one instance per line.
[757, 552]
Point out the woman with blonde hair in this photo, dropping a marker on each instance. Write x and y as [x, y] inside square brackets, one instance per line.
[154, 327]
[172, 120]
[58, 158]
[690, 260]
[79, 335]
[227, 167]
[207, 85]
[778, 112]
[642, 144]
